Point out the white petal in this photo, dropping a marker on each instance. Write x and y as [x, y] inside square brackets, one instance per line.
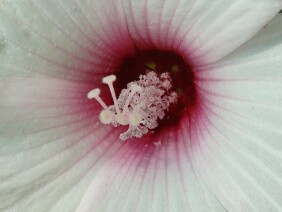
[63, 39]
[202, 30]
[51, 144]
[37, 155]
[150, 179]
[240, 156]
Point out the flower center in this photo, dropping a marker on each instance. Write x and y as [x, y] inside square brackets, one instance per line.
[140, 105]
[182, 80]
[155, 89]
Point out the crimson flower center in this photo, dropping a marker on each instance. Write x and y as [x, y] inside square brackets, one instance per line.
[181, 73]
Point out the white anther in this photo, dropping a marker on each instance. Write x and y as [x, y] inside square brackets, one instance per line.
[94, 94]
[135, 119]
[106, 116]
[109, 80]
[134, 88]
[121, 119]
[167, 84]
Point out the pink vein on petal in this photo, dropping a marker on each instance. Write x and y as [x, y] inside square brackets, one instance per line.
[61, 30]
[141, 39]
[245, 176]
[107, 46]
[73, 165]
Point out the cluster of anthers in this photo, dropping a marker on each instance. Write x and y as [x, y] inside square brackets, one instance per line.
[139, 106]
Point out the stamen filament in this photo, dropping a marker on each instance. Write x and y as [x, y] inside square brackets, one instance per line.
[109, 80]
[134, 89]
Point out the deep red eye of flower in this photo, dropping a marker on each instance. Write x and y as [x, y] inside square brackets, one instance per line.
[179, 69]
[212, 108]
[160, 61]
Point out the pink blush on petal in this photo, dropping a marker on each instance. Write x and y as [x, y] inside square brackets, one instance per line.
[130, 68]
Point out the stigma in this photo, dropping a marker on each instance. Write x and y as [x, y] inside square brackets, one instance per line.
[139, 106]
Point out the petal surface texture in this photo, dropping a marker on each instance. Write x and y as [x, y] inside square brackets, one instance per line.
[56, 156]
[236, 163]
[207, 30]
[242, 146]
[51, 142]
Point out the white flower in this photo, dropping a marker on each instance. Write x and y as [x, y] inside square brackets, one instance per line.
[222, 154]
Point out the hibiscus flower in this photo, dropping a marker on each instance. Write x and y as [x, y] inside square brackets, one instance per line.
[218, 148]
